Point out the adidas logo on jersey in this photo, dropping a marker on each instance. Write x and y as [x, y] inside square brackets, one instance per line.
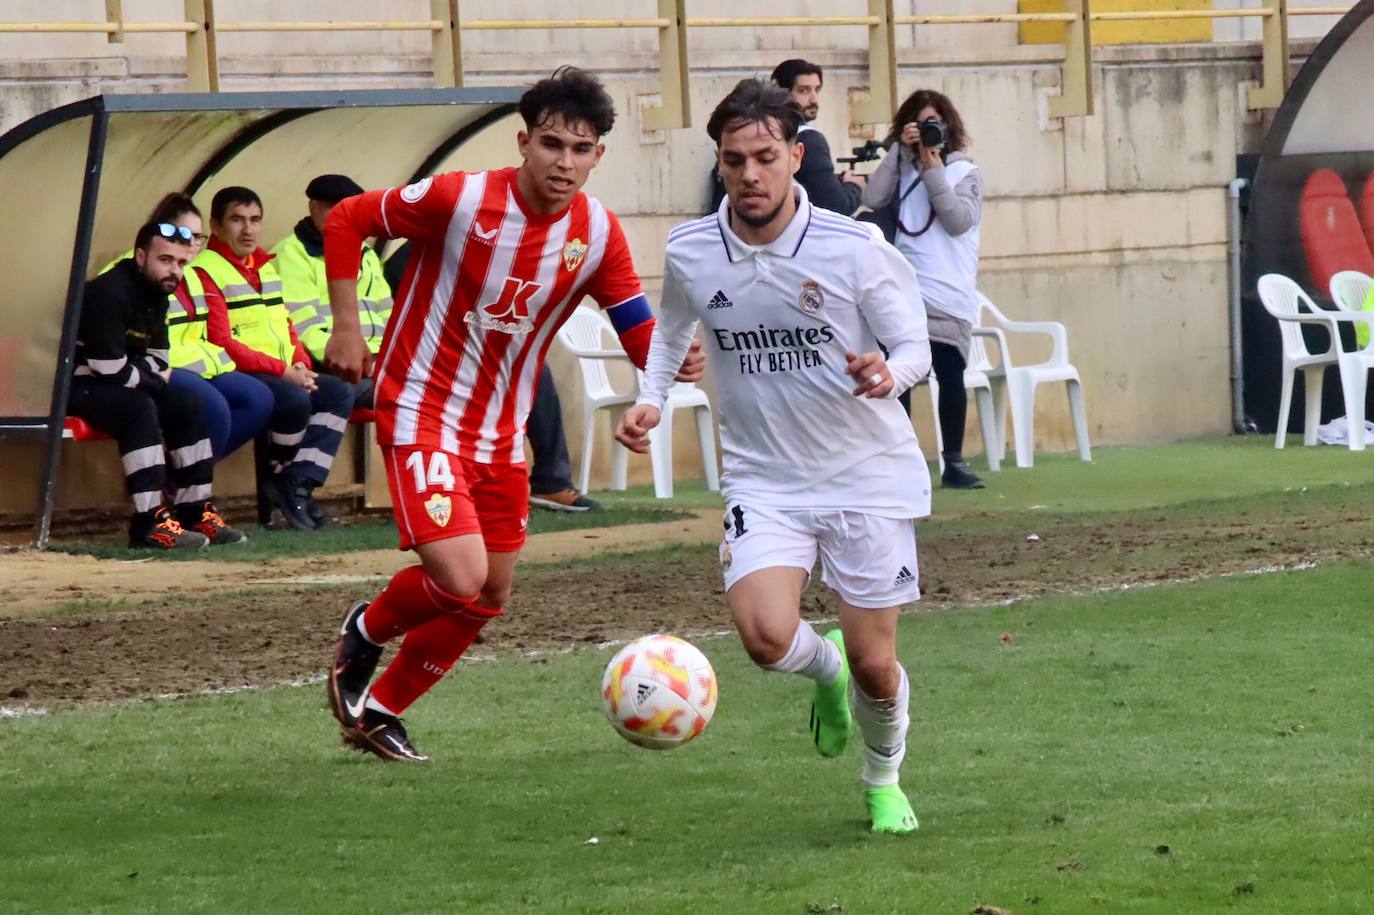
[719, 300]
[904, 577]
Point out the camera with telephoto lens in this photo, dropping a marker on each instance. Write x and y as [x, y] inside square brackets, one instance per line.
[934, 133]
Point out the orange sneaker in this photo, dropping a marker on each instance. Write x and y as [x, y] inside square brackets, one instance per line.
[165, 533]
[210, 524]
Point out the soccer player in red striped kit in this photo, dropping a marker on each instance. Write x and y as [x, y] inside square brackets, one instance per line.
[501, 258]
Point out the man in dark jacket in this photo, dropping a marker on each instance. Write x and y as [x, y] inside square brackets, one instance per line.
[838, 192]
[120, 387]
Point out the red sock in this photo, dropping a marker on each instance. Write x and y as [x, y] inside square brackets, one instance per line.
[409, 600]
[427, 653]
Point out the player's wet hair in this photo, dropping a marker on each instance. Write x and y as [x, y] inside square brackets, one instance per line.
[226, 197]
[573, 93]
[754, 101]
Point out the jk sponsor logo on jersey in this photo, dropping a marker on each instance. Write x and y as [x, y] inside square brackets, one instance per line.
[770, 350]
[510, 313]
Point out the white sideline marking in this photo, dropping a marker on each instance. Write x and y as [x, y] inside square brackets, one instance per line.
[319, 580]
[21, 711]
[315, 680]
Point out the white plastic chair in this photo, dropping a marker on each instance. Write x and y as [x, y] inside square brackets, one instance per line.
[1349, 289]
[1286, 301]
[584, 335]
[1014, 385]
[976, 381]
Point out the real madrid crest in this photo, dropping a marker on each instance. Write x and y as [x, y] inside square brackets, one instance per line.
[811, 298]
[574, 253]
[440, 508]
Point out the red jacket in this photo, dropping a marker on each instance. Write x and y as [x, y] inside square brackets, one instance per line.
[217, 320]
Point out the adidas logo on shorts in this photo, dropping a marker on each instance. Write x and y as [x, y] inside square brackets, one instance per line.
[719, 300]
[904, 577]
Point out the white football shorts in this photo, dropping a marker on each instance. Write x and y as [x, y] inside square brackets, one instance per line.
[868, 560]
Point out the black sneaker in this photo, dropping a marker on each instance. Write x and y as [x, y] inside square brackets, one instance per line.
[957, 475]
[161, 531]
[355, 662]
[317, 514]
[290, 498]
[383, 736]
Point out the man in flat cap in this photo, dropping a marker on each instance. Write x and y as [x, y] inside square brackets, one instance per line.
[300, 261]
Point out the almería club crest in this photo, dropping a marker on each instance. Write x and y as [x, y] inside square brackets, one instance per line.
[440, 508]
[574, 253]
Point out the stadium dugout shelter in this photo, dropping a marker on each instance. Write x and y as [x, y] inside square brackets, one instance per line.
[1311, 212]
[78, 180]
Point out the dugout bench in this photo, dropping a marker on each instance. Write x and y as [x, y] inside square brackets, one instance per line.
[85, 175]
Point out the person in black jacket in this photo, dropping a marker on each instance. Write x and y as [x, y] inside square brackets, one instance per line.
[836, 191]
[120, 387]
[839, 192]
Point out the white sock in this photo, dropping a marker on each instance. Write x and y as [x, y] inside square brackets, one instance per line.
[810, 655]
[883, 723]
[362, 629]
[377, 706]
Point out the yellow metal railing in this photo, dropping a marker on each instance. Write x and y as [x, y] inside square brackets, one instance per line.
[200, 27]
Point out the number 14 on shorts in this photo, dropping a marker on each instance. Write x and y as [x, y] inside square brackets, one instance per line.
[436, 473]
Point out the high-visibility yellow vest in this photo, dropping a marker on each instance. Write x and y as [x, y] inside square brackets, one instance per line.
[190, 346]
[256, 319]
[306, 291]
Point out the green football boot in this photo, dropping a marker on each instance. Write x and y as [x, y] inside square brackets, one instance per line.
[831, 720]
[890, 810]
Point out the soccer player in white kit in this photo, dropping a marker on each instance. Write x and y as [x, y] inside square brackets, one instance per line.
[819, 455]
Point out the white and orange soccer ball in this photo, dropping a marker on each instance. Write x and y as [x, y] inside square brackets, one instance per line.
[659, 692]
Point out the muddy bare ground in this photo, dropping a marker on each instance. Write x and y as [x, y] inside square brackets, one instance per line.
[226, 635]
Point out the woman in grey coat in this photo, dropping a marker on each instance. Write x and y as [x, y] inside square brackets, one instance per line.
[936, 191]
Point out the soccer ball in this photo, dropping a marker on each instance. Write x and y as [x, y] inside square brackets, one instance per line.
[659, 692]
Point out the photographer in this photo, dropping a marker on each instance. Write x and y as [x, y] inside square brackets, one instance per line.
[936, 191]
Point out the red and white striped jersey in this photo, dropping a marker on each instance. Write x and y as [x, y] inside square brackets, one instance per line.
[488, 283]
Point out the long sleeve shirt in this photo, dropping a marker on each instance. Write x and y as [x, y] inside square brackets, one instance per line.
[122, 336]
[217, 320]
[817, 174]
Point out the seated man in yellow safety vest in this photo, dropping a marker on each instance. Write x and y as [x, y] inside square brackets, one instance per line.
[300, 261]
[247, 317]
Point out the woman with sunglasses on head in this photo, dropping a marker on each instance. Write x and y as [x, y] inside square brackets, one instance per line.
[235, 406]
[936, 191]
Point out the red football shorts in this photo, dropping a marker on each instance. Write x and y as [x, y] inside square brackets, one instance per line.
[437, 495]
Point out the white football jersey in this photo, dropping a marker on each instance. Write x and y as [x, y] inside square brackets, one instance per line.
[778, 320]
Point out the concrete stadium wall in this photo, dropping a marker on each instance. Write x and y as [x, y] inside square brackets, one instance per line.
[1114, 224]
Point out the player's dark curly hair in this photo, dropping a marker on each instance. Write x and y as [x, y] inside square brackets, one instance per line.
[754, 101]
[575, 94]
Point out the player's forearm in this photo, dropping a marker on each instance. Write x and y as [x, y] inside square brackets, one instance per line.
[343, 303]
[908, 362]
[671, 340]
